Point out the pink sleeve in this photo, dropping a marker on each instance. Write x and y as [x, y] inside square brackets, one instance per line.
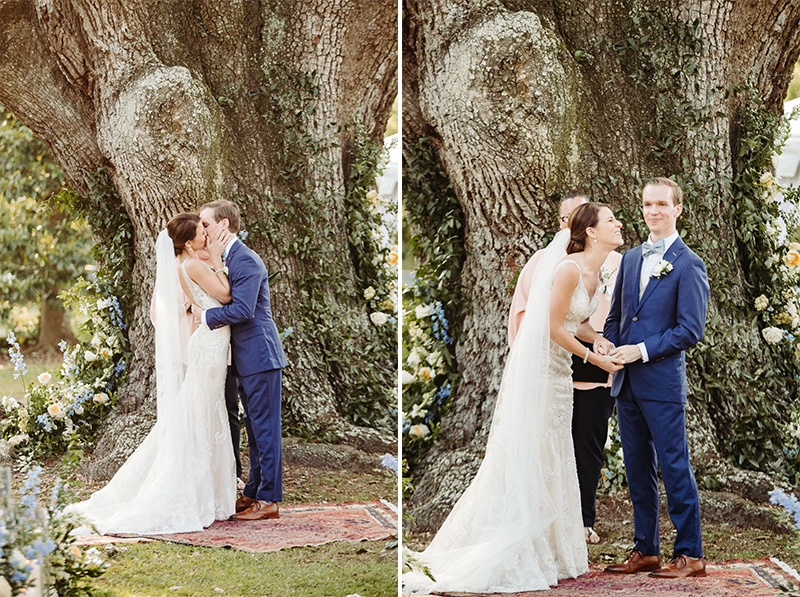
[520, 301]
[598, 318]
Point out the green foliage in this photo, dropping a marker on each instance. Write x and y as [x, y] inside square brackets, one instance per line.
[44, 249]
[433, 305]
[359, 366]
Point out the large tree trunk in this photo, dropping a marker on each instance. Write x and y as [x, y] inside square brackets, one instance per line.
[525, 100]
[184, 102]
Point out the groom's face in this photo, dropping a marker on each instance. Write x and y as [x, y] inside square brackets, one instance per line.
[210, 224]
[659, 210]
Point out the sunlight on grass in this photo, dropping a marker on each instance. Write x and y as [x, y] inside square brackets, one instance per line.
[165, 569]
[16, 387]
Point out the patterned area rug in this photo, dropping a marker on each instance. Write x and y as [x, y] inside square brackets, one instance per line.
[298, 525]
[740, 578]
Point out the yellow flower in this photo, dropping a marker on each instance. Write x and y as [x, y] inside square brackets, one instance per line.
[792, 258]
[394, 256]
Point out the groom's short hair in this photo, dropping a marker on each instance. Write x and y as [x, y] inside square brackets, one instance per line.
[677, 192]
[224, 209]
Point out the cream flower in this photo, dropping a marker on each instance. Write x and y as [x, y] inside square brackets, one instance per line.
[761, 302]
[44, 377]
[369, 293]
[406, 377]
[56, 411]
[5, 588]
[394, 256]
[772, 335]
[418, 431]
[10, 403]
[15, 441]
[425, 373]
[103, 304]
[792, 258]
[105, 353]
[89, 356]
[96, 341]
[101, 398]
[379, 318]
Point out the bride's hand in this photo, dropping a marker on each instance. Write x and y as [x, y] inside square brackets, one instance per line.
[602, 346]
[216, 245]
[610, 364]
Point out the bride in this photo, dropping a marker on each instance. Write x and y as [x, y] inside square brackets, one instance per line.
[518, 526]
[182, 477]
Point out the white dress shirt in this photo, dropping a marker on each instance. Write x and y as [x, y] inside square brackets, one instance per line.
[648, 264]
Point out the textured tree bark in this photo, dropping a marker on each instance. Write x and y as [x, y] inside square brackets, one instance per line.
[523, 106]
[169, 97]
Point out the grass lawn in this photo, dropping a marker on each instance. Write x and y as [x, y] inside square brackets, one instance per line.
[16, 387]
[336, 569]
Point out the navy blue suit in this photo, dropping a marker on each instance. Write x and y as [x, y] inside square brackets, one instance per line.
[651, 397]
[258, 359]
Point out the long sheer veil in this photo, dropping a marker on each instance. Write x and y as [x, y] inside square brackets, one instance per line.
[496, 533]
[171, 335]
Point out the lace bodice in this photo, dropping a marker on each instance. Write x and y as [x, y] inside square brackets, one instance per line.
[201, 297]
[581, 306]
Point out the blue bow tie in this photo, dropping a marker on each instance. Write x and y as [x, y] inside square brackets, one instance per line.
[649, 248]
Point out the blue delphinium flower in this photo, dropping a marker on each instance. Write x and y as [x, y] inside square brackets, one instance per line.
[16, 356]
[390, 462]
[789, 502]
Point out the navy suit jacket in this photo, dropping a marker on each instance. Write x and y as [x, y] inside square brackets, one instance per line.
[669, 318]
[255, 344]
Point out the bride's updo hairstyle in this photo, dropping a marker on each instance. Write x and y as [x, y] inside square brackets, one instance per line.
[586, 215]
[181, 229]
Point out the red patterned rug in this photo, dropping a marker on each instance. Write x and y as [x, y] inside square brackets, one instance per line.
[740, 578]
[298, 525]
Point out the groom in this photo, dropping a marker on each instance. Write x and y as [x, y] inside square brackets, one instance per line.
[258, 358]
[658, 310]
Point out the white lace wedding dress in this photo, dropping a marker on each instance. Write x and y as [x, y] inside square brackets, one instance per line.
[182, 477]
[518, 526]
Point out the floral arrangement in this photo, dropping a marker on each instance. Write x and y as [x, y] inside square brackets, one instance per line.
[428, 375]
[612, 475]
[73, 399]
[35, 539]
[662, 268]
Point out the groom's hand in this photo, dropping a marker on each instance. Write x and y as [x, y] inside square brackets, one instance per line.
[628, 353]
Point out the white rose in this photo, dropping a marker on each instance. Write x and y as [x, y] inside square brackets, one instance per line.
[96, 341]
[413, 358]
[772, 335]
[78, 409]
[425, 373]
[89, 356]
[406, 377]
[379, 318]
[56, 411]
[101, 398]
[369, 293]
[423, 311]
[44, 377]
[420, 430]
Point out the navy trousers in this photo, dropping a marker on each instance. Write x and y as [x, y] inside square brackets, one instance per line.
[261, 399]
[654, 433]
[232, 406]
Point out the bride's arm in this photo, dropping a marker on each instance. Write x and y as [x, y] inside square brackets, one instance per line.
[215, 284]
[564, 285]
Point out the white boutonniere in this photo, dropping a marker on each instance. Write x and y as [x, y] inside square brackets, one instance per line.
[605, 278]
[662, 268]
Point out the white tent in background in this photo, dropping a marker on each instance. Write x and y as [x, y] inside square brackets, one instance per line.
[787, 170]
[389, 182]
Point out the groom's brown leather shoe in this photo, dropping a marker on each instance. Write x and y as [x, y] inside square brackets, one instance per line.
[636, 562]
[258, 510]
[682, 566]
[243, 503]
